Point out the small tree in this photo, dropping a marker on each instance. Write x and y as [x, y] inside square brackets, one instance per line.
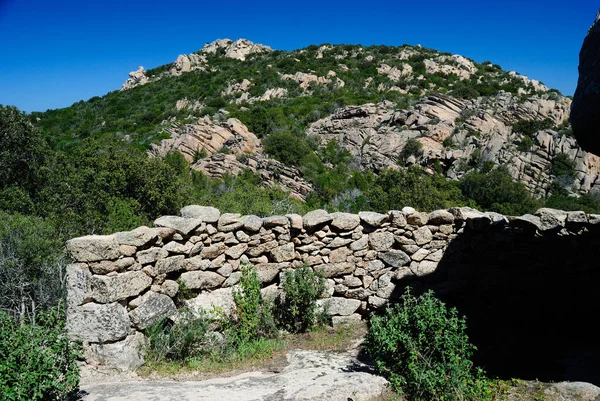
[411, 148]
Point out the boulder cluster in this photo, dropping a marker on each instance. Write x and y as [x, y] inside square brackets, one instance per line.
[121, 284]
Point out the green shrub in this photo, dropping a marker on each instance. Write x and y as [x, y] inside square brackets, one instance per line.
[423, 348]
[411, 148]
[38, 361]
[295, 308]
[562, 165]
[168, 341]
[252, 318]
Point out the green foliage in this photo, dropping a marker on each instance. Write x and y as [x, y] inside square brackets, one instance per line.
[496, 191]
[392, 190]
[587, 203]
[562, 166]
[287, 147]
[32, 265]
[38, 360]
[525, 144]
[295, 308]
[423, 348]
[531, 127]
[412, 147]
[168, 341]
[252, 313]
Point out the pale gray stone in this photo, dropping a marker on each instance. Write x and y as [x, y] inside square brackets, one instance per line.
[273, 221]
[252, 223]
[578, 217]
[151, 255]
[426, 267]
[98, 323]
[78, 283]
[295, 221]
[196, 263]
[436, 256]
[337, 306]
[422, 236]
[233, 279]
[283, 253]
[230, 222]
[106, 289]
[215, 304]
[262, 248]
[381, 240]
[551, 218]
[345, 221]
[360, 244]
[211, 252]
[397, 218]
[182, 225]
[170, 288]
[103, 267]
[339, 255]
[375, 302]
[139, 237]
[395, 258]
[151, 309]
[406, 210]
[225, 270]
[528, 220]
[236, 251]
[124, 263]
[338, 242]
[124, 355]
[316, 218]
[439, 217]
[373, 219]
[176, 247]
[419, 255]
[417, 219]
[201, 280]
[267, 272]
[328, 270]
[167, 265]
[207, 214]
[93, 248]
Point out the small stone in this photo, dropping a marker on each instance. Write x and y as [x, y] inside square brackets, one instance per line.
[439, 217]
[201, 280]
[151, 255]
[345, 221]
[397, 218]
[283, 253]
[422, 236]
[417, 219]
[395, 258]
[316, 218]
[230, 222]
[182, 225]
[295, 221]
[337, 321]
[252, 223]
[373, 219]
[152, 308]
[273, 221]
[337, 306]
[381, 240]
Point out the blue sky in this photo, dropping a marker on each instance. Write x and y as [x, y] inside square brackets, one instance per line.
[55, 53]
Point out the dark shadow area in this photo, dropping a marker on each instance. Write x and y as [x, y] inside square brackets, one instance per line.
[532, 303]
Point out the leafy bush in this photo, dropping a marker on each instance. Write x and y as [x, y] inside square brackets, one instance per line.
[252, 318]
[38, 361]
[411, 148]
[168, 341]
[531, 127]
[423, 348]
[295, 308]
[562, 165]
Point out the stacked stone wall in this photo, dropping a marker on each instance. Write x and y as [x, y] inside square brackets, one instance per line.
[121, 284]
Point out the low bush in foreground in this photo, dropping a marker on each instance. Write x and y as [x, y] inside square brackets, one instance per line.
[423, 349]
[37, 360]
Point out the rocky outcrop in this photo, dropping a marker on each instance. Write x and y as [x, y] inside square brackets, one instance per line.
[239, 50]
[207, 137]
[136, 78]
[229, 148]
[454, 131]
[585, 114]
[362, 257]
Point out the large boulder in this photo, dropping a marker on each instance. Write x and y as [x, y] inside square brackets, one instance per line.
[98, 323]
[124, 355]
[105, 289]
[585, 111]
[93, 248]
[152, 308]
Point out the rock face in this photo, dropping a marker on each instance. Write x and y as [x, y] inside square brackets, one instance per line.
[201, 142]
[362, 256]
[136, 78]
[585, 113]
[455, 131]
[239, 50]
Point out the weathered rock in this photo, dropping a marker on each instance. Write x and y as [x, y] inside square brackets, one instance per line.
[551, 218]
[422, 236]
[201, 280]
[426, 267]
[397, 218]
[151, 255]
[151, 309]
[337, 321]
[417, 219]
[230, 222]
[381, 240]
[337, 306]
[78, 279]
[98, 323]
[213, 251]
[395, 258]
[167, 265]
[360, 244]
[103, 267]
[316, 218]
[125, 355]
[138, 237]
[373, 219]
[106, 289]
[295, 221]
[267, 272]
[283, 253]
[334, 269]
[169, 288]
[236, 251]
[252, 223]
[207, 214]
[345, 221]
[273, 221]
[439, 217]
[213, 303]
[93, 248]
[339, 255]
[182, 225]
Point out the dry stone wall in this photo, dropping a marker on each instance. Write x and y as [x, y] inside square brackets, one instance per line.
[121, 284]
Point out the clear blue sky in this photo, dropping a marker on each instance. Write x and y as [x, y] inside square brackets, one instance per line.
[54, 53]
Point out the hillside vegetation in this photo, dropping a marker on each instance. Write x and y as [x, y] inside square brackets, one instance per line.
[255, 131]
